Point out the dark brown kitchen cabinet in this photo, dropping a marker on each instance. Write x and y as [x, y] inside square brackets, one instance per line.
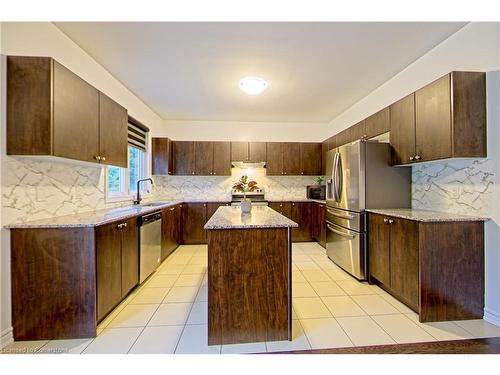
[393, 258]
[379, 245]
[351, 134]
[184, 158]
[402, 136]
[204, 158]
[194, 218]
[162, 156]
[449, 120]
[53, 112]
[291, 159]
[130, 255]
[324, 150]
[310, 159]
[301, 214]
[117, 263]
[422, 264]
[239, 151]
[274, 164]
[257, 151]
[221, 159]
[404, 259]
[113, 132]
[378, 123]
[171, 230]
[248, 151]
[284, 208]
[109, 270]
[318, 223]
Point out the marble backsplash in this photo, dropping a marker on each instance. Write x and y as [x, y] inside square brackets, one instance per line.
[218, 188]
[38, 189]
[457, 186]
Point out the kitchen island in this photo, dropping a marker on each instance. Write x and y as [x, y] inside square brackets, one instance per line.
[249, 276]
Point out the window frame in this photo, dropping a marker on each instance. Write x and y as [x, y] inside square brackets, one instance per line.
[125, 193]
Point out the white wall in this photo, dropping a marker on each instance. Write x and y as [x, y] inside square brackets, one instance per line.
[474, 47]
[51, 186]
[461, 186]
[244, 131]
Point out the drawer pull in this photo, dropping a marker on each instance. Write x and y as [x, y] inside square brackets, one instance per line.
[391, 221]
[386, 220]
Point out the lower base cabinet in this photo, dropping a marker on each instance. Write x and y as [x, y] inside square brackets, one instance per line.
[300, 212]
[194, 217]
[171, 230]
[435, 268]
[66, 280]
[318, 223]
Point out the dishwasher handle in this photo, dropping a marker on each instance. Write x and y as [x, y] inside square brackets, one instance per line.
[149, 218]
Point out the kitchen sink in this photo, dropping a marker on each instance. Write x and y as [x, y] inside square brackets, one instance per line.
[154, 204]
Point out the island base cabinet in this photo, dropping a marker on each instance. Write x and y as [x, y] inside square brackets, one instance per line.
[249, 285]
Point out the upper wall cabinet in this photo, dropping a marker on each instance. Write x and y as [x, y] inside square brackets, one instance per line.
[248, 151]
[53, 112]
[293, 158]
[202, 158]
[378, 123]
[162, 156]
[446, 120]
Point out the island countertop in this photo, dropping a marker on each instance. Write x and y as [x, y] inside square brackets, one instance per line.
[425, 215]
[260, 217]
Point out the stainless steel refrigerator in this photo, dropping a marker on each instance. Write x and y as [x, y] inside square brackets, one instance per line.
[359, 177]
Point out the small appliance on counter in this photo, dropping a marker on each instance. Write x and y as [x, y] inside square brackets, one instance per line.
[316, 192]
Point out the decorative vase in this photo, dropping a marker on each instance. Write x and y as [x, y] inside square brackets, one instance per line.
[246, 206]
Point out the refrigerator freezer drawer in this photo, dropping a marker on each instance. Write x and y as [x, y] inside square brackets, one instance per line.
[347, 219]
[347, 249]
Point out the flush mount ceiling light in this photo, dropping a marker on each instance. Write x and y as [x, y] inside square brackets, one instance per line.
[253, 85]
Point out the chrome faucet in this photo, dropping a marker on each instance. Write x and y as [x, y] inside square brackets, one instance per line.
[138, 198]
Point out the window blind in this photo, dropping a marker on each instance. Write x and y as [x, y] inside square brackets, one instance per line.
[137, 134]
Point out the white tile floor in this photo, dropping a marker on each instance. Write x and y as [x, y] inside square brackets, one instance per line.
[168, 314]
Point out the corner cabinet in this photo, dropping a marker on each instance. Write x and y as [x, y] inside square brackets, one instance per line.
[194, 217]
[445, 119]
[435, 268]
[162, 156]
[53, 112]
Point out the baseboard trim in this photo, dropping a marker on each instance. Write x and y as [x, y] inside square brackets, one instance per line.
[6, 337]
[492, 317]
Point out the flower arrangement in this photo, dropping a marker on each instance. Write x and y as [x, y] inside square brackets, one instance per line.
[244, 186]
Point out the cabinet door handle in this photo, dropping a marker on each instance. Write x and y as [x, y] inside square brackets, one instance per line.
[124, 225]
[172, 209]
[192, 172]
[213, 173]
[120, 226]
[418, 157]
[386, 220]
[284, 172]
[412, 158]
[391, 221]
[103, 158]
[97, 157]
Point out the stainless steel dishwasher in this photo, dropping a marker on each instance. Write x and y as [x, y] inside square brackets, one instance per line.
[150, 244]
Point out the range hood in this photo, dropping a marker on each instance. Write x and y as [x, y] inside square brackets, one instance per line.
[248, 164]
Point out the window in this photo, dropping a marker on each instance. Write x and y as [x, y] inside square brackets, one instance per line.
[121, 183]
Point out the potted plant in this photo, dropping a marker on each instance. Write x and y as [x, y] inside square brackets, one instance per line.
[244, 186]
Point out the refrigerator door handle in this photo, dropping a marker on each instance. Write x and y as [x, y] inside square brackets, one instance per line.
[335, 177]
[329, 189]
[339, 178]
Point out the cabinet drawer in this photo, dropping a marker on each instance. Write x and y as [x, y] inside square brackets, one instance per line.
[350, 220]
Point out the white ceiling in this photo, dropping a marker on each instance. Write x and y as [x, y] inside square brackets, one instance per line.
[190, 71]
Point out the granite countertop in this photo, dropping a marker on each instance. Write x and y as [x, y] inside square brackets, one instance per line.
[260, 217]
[426, 216]
[91, 218]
